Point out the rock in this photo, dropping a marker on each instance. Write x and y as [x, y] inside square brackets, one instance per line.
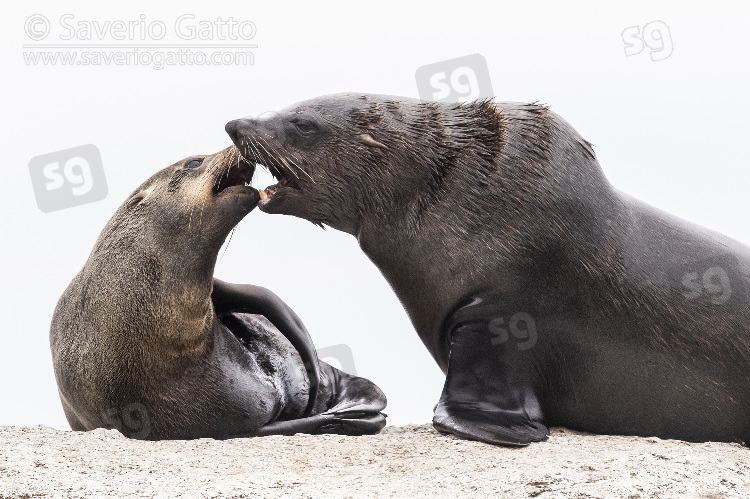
[409, 461]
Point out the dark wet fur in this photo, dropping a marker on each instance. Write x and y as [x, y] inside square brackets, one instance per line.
[482, 210]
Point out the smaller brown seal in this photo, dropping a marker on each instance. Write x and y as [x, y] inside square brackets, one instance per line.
[146, 341]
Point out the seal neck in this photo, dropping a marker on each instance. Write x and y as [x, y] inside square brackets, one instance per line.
[417, 269]
[164, 289]
[457, 253]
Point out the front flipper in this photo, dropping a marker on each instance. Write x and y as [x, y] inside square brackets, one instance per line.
[355, 409]
[232, 298]
[488, 393]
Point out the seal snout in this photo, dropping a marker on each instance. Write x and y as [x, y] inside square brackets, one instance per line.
[231, 129]
[236, 128]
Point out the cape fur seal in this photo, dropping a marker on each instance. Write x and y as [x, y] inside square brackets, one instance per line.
[146, 341]
[547, 296]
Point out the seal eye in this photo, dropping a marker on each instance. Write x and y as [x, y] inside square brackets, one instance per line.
[305, 127]
[193, 163]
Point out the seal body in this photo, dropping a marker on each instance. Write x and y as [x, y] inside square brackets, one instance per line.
[546, 295]
[145, 340]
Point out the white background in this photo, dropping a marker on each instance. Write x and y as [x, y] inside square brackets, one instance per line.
[673, 133]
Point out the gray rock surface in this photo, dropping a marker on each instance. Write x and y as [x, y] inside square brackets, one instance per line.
[410, 461]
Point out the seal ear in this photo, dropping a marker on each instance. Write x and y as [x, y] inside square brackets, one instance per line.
[367, 140]
[134, 200]
[140, 196]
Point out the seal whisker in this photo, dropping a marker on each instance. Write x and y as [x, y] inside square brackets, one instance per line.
[265, 155]
[198, 188]
[246, 145]
[226, 247]
[276, 158]
[210, 175]
[207, 175]
[261, 158]
[290, 164]
[256, 152]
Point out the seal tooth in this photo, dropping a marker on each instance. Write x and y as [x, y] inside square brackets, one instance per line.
[266, 193]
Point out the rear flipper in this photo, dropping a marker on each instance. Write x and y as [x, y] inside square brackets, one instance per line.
[343, 423]
[354, 406]
[488, 393]
[231, 298]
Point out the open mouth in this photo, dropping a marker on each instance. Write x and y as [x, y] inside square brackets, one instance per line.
[284, 182]
[287, 180]
[237, 175]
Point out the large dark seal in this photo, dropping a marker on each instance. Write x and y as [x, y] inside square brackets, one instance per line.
[547, 296]
[146, 341]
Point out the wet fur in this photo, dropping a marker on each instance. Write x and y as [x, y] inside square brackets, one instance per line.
[137, 330]
[506, 201]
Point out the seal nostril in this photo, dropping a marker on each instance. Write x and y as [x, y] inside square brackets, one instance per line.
[231, 129]
[240, 127]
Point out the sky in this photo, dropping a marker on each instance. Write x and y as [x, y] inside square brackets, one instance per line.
[659, 88]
